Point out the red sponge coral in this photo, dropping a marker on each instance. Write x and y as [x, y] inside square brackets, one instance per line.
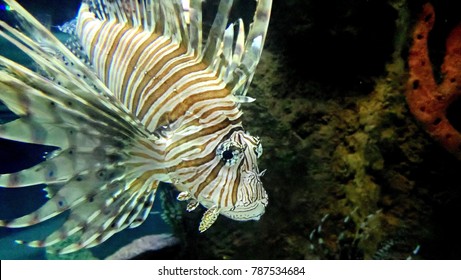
[428, 101]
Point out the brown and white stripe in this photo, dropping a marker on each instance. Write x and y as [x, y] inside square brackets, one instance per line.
[157, 105]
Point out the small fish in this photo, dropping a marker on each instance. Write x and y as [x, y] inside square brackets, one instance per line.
[146, 100]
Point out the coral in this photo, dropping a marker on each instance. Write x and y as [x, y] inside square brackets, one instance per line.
[429, 101]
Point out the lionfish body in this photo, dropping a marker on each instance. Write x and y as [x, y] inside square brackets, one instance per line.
[156, 104]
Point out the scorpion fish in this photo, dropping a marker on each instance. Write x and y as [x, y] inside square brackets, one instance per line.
[146, 95]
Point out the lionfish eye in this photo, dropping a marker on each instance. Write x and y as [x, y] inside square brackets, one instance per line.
[227, 155]
[230, 152]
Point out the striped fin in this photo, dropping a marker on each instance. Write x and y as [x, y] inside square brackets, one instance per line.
[65, 165]
[108, 219]
[212, 47]
[238, 51]
[36, 41]
[195, 28]
[253, 46]
[51, 114]
[149, 61]
[102, 216]
[86, 173]
[102, 170]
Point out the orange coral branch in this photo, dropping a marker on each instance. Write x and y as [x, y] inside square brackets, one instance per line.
[427, 100]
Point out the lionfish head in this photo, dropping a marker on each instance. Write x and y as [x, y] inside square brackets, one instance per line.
[248, 198]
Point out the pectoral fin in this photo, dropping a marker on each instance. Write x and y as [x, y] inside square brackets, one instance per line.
[209, 218]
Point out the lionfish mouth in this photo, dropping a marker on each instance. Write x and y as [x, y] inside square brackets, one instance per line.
[253, 211]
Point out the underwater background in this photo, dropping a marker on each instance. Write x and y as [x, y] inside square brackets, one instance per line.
[352, 174]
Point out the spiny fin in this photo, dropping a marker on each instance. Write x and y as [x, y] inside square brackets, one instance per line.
[243, 99]
[79, 79]
[103, 214]
[100, 166]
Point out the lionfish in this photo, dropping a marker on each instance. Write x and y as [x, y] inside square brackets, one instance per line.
[153, 102]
